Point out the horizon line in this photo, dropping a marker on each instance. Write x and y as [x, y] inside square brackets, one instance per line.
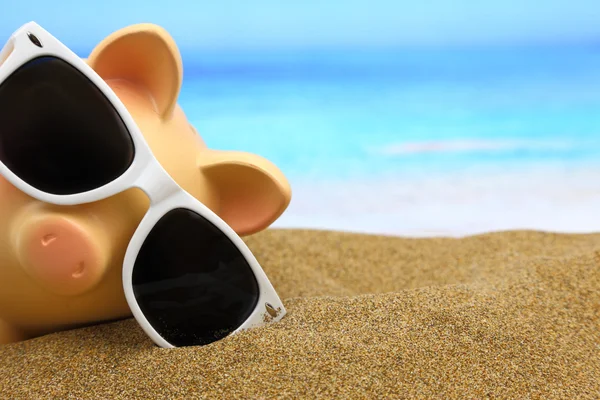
[84, 51]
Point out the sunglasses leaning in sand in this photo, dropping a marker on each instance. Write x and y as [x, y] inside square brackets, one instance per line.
[188, 278]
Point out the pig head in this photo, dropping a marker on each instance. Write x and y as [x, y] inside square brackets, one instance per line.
[60, 266]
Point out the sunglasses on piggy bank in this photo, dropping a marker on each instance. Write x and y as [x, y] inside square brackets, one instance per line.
[188, 278]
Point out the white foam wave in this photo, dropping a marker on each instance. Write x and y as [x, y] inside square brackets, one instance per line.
[452, 204]
[446, 146]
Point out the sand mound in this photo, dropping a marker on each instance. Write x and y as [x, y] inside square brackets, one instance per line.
[503, 315]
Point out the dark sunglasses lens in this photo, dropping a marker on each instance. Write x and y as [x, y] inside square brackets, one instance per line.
[59, 133]
[191, 282]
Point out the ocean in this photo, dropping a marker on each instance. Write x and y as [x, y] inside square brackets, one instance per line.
[418, 142]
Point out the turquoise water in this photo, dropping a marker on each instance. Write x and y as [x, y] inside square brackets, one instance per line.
[348, 114]
[419, 140]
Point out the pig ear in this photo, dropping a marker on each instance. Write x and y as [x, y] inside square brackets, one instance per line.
[253, 192]
[145, 55]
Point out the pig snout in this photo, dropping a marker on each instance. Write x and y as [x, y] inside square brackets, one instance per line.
[65, 255]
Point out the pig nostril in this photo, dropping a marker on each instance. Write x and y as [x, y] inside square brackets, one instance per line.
[47, 239]
[79, 271]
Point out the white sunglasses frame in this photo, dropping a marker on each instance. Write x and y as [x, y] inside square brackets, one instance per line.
[145, 173]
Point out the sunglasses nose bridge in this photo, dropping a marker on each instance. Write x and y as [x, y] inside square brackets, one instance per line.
[156, 182]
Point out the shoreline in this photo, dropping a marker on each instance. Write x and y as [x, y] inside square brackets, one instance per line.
[456, 203]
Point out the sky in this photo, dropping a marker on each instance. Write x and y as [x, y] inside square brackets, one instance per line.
[227, 24]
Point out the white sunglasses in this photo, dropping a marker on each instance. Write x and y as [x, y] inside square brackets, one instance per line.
[67, 139]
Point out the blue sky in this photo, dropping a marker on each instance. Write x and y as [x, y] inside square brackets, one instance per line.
[317, 23]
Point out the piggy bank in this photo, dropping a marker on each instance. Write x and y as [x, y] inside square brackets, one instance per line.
[61, 266]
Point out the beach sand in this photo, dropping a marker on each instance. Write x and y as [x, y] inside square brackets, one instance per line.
[499, 315]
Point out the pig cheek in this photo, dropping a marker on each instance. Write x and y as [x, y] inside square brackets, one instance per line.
[10, 195]
[61, 256]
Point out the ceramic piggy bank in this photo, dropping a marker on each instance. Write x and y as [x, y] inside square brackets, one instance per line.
[61, 266]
